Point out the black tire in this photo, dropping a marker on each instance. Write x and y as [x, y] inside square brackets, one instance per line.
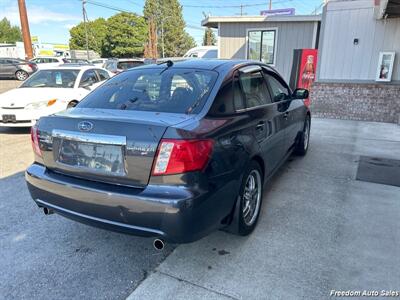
[244, 227]
[304, 138]
[21, 75]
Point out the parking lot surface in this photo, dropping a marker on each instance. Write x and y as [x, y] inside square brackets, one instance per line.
[320, 229]
[49, 257]
[7, 84]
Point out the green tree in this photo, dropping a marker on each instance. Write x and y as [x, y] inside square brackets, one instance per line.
[126, 35]
[209, 38]
[8, 33]
[97, 30]
[170, 27]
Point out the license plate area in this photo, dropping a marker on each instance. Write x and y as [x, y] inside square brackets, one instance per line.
[8, 118]
[93, 153]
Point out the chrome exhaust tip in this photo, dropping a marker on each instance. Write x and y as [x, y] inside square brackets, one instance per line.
[158, 244]
[47, 211]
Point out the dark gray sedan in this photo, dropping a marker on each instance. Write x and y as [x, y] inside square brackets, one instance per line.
[172, 151]
[16, 68]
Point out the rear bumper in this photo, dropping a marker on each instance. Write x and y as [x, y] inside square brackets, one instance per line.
[26, 117]
[175, 213]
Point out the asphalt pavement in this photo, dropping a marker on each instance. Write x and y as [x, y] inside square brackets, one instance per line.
[320, 230]
[7, 84]
[50, 257]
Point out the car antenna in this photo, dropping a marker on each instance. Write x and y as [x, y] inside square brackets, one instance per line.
[169, 63]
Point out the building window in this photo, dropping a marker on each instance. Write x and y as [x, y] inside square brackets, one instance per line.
[261, 45]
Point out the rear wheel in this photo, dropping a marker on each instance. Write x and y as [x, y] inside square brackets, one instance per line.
[304, 138]
[250, 199]
[21, 75]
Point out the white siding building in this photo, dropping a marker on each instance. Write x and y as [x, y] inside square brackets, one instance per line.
[270, 39]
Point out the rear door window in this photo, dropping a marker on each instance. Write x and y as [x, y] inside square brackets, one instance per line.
[103, 75]
[223, 102]
[88, 78]
[158, 90]
[255, 89]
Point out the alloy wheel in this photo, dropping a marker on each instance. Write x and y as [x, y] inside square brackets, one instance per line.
[251, 197]
[21, 75]
[306, 134]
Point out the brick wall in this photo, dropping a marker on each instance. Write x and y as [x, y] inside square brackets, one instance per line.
[356, 101]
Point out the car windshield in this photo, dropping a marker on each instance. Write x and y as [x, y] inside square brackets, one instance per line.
[158, 90]
[52, 78]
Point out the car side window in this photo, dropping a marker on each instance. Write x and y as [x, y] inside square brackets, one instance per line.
[238, 100]
[103, 75]
[279, 91]
[88, 78]
[255, 89]
[223, 102]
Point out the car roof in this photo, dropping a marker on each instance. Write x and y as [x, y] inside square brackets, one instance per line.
[57, 57]
[71, 67]
[20, 59]
[125, 59]
[204, 64]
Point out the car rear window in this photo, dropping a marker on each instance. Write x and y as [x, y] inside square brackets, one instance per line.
[158, 90]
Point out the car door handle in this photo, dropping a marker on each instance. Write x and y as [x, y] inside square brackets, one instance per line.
[286, 115]
[260, 125]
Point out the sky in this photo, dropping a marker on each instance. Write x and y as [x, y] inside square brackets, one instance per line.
[51, 20]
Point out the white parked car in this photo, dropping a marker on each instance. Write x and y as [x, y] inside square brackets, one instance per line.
[202, 52]
[44, 62]
[48, 91]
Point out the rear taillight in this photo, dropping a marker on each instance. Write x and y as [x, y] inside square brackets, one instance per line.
[181, 156]
[32, 66]
[35, 140]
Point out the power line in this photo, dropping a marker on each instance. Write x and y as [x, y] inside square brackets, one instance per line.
[224, 6]
[236, 5]
[112, 7]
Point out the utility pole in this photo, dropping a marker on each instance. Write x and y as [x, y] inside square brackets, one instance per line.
[162, 36]
[26, 35]
[84, 24]
[270, 4]
[241, 9]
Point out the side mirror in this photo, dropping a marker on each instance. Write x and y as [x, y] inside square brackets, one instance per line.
[301, 94]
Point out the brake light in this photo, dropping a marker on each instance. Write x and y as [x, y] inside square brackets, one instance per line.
[35, 140]
[32, 66]
[181, 156]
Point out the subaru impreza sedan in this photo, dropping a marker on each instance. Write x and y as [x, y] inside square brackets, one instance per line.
[172, 151]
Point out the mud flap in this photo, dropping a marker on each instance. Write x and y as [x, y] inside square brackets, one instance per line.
[233, 227]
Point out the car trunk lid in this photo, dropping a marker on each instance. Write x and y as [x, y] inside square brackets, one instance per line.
[111, 146]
